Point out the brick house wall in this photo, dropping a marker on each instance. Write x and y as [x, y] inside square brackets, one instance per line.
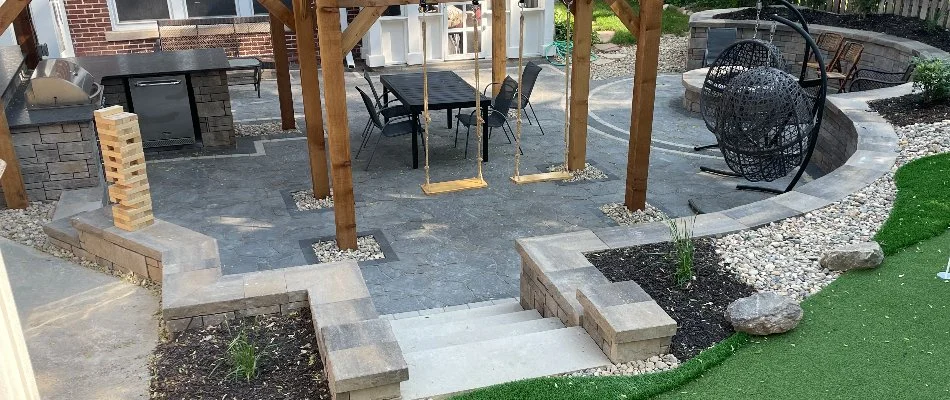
[89, 22]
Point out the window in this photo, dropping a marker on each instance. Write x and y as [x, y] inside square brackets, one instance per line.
[211, 8]
[137, 10]
[259, 9]
[393, 11]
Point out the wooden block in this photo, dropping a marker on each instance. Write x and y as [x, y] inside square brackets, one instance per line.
[120, 194]
[116, 153]
[454, 186]
[137, 224]
[542, 177]
[125, 162]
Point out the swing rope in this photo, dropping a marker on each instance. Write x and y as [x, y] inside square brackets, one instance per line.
[568, 60]
[519, 124]
[477, 9]
[520, 83]
[426, 118]
[478, 182]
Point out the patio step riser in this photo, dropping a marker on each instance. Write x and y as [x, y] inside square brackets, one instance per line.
[466, 325]
[453, 316]
[477, 333]
[442, 372]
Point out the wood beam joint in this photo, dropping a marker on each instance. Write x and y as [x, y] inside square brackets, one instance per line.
[355, 31]
[277, 9]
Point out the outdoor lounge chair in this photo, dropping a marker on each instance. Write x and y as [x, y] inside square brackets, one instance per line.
[528, 78]
[843, 67]
[497, 114]
[717, 40]
[870, 79]
[395, 111]
[828, 42]
[395, 126]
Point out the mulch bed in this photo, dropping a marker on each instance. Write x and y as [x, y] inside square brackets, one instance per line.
[905, 27]
[192, 365]
[698, 308]
[911, 109]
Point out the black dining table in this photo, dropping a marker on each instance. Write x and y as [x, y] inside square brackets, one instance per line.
[447, 91]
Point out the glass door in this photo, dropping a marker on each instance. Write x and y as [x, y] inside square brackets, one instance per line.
[460, 24]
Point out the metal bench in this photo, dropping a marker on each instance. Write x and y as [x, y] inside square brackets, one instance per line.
[228, 33]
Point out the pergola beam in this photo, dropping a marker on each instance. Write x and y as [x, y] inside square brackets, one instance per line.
[376, 3]
[355, 31]
[310, 86]
[14, 191]
[644, 95]
[277, 9]
[338, 127]
[9, 11]
[580, 84]
[626, 14]
[26, 38]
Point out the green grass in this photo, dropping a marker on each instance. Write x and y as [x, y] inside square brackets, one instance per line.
[877, 334]
[674, 22]
[922, 207]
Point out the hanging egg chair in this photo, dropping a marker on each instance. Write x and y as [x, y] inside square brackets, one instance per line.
[764, 124]
[738, 58]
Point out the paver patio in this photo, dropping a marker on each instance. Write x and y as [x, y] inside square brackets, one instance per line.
[450, 249]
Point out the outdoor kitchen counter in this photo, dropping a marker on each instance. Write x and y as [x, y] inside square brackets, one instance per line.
[115, 66]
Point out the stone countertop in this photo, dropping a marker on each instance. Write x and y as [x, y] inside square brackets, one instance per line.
[11, 59]
[122, 65]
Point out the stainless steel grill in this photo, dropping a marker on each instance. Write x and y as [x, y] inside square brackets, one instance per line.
[61, 83]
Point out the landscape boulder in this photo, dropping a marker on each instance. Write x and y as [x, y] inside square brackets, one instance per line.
[764, 314]
[855, 256]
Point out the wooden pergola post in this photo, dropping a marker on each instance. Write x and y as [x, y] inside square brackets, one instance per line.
[14, 191]
[26, 37]
[282, 69]
[499, 44]
[338, 128]
[580, 84]
[644, 94]
[312, 109]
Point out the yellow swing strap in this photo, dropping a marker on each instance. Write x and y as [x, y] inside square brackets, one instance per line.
[544, 176]
[477, 182]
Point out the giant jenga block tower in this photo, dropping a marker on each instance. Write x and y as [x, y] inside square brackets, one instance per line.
[124, 159]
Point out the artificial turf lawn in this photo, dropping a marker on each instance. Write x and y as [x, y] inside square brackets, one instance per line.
[922, 207]
[879, 334]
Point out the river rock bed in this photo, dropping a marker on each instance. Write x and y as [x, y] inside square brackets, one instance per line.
[783, 256]
[305, 201]
[367, 249]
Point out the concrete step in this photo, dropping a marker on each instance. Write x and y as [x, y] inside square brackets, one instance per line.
[475, 332]
[72, 202]
[464, 325]
[452, 316]
[438, 373]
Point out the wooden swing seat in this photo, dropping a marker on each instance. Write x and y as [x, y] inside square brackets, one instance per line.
[453, 186]
[542, 177]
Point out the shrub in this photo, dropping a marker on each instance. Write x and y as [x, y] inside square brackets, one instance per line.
[866, 6]
[932, 76]
[682, 239]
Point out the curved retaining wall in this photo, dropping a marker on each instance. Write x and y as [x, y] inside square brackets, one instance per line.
[557, 279]
[884, 52]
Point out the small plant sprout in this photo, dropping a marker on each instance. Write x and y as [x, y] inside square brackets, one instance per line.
[243, 357]
[682, 239]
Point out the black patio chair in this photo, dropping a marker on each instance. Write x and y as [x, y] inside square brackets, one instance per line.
[393, 127]
[528, 78]
[390, 111]
[717, 40]
[870, 79]
[497, 113]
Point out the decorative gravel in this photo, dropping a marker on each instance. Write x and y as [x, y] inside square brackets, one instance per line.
[367, 249]
[620, 64]
[305, 200]
[589, 173]
[650, 365]
[261, 129]
[624, 217]
[783, 256]
[26, 227]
